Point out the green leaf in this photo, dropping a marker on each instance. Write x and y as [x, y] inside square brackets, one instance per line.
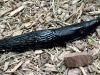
[90, 40]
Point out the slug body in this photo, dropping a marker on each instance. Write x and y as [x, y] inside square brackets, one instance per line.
[48, 38]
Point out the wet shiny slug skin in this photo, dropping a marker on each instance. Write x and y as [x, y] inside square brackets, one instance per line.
[49, 38]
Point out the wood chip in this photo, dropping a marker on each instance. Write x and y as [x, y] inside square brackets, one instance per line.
[83, 71]
[2, 27]
[98, 32]
[74, 1]
[4, 11]
[50, 67]
[74, 71]
[41, 20]
[97, 64]
[17, 10]
[48, 19]
[9, 33]
[6, 66]
[74, 48]
[3, 0]
[17, 33]
[63, 54]
[15, 68]
[95, 12]
[27, 25]
[59, 11]
[80, 44]
[38, 51]
[77, 59]
[25, 65]
[52, 57]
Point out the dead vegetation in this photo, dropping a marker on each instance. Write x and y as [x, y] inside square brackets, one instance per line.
[22, 16]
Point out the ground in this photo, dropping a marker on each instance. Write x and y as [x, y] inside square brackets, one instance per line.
[21, 16]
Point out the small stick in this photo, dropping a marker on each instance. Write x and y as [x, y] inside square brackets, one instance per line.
[83, 71]
[15, 68]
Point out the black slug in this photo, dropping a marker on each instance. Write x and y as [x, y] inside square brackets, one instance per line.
[48, 38]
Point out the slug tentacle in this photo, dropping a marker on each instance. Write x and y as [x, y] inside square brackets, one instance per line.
[49, 38]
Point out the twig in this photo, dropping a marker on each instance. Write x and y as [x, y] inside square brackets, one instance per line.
[15, 68]
[17, 10]
[83, 71]
[74, 48]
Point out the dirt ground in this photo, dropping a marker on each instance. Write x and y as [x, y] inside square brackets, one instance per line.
[22, 16]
